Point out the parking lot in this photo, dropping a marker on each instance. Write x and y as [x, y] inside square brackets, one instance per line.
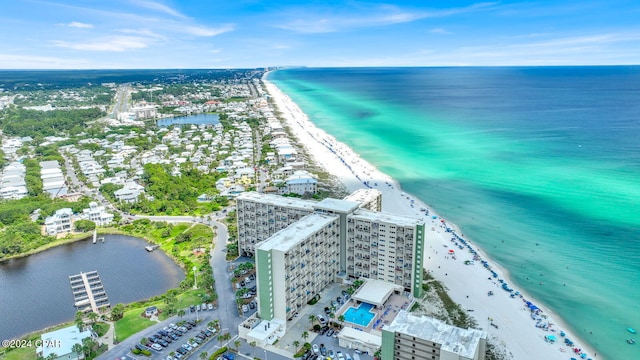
[173, 341]
[300, 323]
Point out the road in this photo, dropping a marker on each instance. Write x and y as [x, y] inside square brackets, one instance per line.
[227, 311]
[121, 101]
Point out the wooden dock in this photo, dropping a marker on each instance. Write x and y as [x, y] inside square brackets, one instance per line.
[88, 292]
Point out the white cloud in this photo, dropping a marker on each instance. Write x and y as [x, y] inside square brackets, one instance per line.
[159, 7]
[79, 25]
[116, 43]
[143, 32]
[203, 30]
[439, 31]
[380, 16]
[12, 61]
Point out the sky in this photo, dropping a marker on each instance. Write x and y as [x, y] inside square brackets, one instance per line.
[152, 34]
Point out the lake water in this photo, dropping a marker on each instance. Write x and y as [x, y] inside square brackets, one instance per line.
[35, 291]
[198, 119]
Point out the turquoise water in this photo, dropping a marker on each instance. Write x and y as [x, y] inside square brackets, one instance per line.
[538, 166]
[360, 315]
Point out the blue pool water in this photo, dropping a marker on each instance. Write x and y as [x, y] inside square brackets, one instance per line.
[360, 315]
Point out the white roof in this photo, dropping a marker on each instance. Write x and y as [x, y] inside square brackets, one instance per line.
[360, 336]
[375, 291]
[61, 341]
[463, 342]
[265, 329]
[277, 200]
[297, 232]
[398, 220]
[337, 205]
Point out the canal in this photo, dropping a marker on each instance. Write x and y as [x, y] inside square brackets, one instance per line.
[35, 291]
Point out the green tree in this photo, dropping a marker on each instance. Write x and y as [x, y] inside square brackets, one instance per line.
[117, 312]
[79, 320]
[312, 319]
[181, 313]
[305, 335]
[93, 317]
[296, 343]
[236, 345]
[84, 225]
[77, 348]
[341, 318]
[203, 355]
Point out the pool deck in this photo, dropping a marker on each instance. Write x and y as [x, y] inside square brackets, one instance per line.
[392, 306]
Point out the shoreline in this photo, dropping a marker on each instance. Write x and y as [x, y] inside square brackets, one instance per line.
[77, 238]
[51, 245]
[466, 286]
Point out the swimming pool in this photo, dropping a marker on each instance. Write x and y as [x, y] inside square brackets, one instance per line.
[360, 315]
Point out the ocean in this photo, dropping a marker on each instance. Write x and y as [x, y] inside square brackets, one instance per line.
[539, 166]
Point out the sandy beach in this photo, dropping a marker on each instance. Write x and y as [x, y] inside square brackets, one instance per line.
[514, 324]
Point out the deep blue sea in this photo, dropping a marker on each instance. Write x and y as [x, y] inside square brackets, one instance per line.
[539, 166]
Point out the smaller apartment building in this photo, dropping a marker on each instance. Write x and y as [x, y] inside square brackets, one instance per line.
[296, 264]
[411, 337]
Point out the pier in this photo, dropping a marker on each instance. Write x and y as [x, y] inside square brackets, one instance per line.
[88, 292]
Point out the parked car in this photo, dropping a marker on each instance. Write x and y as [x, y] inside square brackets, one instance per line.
[156, 347]
[187, 347]
[329, 332]
[323, 351]
[340, 355]
[245, 308]
[252, 305]
[204, 307]
[210, 306]
[192, 308]
[315, 348]
[198, 307]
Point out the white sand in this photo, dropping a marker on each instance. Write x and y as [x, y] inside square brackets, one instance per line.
[468, 284]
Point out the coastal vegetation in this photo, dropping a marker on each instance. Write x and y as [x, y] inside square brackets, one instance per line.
[33, 123]
[187, 244]
[20, 235]
[175, 194]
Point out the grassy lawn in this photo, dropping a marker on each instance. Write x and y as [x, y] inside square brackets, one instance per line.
[191, 297]
[131, 323]
[26, 353]
[101, 328]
